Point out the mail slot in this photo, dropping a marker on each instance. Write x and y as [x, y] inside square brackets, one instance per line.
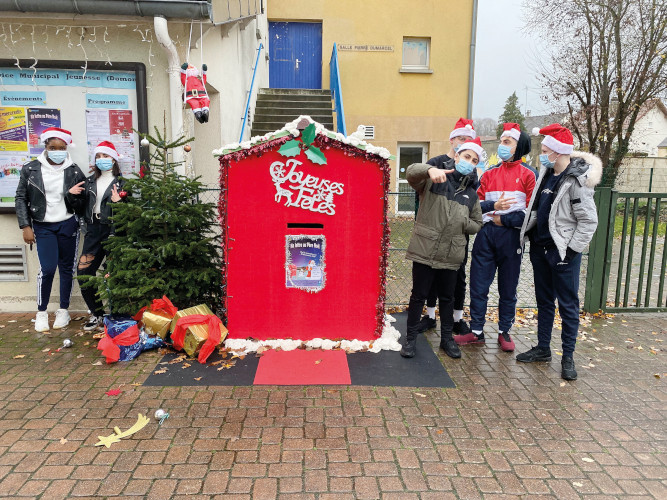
[305, 243]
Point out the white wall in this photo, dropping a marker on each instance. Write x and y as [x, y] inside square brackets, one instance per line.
[650, 131]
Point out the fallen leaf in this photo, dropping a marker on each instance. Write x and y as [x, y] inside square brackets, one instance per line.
[198, 379]
[420, 394]
[589, 460]
[19, 356]
[563, 384]
[161, 370]
[11, 321]
[97, 363]
[63, 440]
[439, 431]
[113, 392]
[136, 384]
[318, 361]
[186, 365]
[99, 335]
[46, 349]
[656, 375]
[578, 485]
[216, 363]
[26, 330]
[86, 343]
[79, 356]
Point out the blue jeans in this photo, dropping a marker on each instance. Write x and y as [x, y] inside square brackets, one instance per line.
[57, 244]
[495, 248]
[556, 280]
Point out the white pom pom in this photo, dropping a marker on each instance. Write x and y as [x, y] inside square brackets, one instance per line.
[144, 142]
[71, 145]
[536, 130]
[468, 126]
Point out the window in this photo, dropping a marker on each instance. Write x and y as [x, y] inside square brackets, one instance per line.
[416, 55]
[407, 155]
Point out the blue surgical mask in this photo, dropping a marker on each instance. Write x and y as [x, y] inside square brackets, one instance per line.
[465, 167]
[456, 148]
[57, 157]
[544, 160]
[104, 163]
[504, 152]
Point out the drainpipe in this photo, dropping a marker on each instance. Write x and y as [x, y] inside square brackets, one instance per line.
[473, 42]
[175, 97]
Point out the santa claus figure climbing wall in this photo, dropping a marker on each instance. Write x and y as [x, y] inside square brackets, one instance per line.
[194, 93]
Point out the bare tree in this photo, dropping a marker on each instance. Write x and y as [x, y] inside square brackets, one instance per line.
[602, 61]
[485, 126]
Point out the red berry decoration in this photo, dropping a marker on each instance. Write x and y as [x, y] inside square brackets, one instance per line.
[122, 194]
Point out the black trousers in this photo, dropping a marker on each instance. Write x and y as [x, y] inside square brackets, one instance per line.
[92, 256]
[423, 278]
[459, 291]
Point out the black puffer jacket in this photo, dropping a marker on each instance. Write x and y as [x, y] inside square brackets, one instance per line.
[30, 197]
[91, 198]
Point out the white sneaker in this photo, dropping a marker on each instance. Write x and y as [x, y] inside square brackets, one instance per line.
[93, 323]
[62, 319]
[42, 322]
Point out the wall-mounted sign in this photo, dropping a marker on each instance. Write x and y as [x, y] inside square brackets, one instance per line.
[365, 48]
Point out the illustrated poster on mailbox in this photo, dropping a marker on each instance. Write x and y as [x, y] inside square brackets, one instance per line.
[304, 262]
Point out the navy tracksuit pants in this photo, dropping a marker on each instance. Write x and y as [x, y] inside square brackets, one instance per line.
[495, 248]
[57, 244]
[556, 279]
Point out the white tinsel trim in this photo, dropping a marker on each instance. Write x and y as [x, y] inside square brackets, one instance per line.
[292, 129]
[388, 342]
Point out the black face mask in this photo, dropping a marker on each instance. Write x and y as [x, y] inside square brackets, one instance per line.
[522, 147]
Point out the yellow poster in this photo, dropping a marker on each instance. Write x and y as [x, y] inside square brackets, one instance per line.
[13, 131]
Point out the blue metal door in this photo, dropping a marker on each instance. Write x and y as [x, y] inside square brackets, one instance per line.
[295, 52]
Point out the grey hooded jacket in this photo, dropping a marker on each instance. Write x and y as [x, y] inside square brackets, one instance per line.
[573, 216]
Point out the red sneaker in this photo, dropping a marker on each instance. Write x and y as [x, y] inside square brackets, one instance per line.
[505, 341]
[469, 338]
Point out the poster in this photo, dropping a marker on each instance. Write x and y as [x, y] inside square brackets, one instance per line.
[13, 135]
[10, 170]
[304, 262]
[113, 125]
[39, 119]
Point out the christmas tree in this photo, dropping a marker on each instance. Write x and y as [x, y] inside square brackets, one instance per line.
[165, 241]
[511, 114]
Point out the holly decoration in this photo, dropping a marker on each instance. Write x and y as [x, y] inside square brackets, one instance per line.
[294, 147]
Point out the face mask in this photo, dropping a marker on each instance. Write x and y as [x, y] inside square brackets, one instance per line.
[57, 157]
[504, 152]
[465, 167]
[104, 163]
[456, 148]
[544, 160]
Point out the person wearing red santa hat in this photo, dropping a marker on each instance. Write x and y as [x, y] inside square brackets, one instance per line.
[561, 221]
[449, 212]
[463, 132]
[503, 193]
[102, 189]
[47, 197]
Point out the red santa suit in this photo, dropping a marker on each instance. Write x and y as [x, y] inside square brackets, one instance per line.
[194, 93]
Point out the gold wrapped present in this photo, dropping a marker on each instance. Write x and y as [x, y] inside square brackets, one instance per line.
[157, 323]
[196, 335]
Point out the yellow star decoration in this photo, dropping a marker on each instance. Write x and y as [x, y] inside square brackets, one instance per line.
[107, 441]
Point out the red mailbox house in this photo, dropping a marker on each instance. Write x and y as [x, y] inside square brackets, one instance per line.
[305, 236]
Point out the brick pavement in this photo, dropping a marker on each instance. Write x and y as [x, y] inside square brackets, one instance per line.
[508, 431]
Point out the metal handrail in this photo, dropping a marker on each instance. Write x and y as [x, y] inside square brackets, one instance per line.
[252, 84]
[335, 86]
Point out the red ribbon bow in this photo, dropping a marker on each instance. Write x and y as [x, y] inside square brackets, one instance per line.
[109, 346]
[163, 304]
[214, 334]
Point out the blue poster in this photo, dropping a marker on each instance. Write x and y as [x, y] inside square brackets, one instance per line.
[18, 98]
[108, 101]
[304, 262]
[68, 78]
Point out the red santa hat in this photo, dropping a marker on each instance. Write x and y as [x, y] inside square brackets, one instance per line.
[56, 133]
[511, 129]
[107, 148]
[474, 145]
[463, 127]
[558, 138]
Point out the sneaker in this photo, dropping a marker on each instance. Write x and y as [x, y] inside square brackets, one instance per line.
[42, 322]
[62, 319]
[567, 369]
[92, 323]
[461, 327]
[469, 338]
[535, 354]
[426, 323]
[450, 347]
[505, 341]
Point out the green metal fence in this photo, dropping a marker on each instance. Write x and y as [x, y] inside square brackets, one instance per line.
[629, 253]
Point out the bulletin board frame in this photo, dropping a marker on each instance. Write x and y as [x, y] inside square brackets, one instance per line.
[139, 70]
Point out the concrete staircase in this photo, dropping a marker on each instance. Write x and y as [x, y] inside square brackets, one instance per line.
[276, 107]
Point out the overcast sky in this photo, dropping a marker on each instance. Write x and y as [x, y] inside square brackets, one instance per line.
[499, 26]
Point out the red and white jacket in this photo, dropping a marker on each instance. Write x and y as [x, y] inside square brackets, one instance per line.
[517, 181]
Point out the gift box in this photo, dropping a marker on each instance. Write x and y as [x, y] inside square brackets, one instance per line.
[157, 317]
[123, 341]
[191, 330]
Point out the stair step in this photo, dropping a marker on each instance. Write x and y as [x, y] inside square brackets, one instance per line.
[324, 104]
[312, 92]
[287, 116]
